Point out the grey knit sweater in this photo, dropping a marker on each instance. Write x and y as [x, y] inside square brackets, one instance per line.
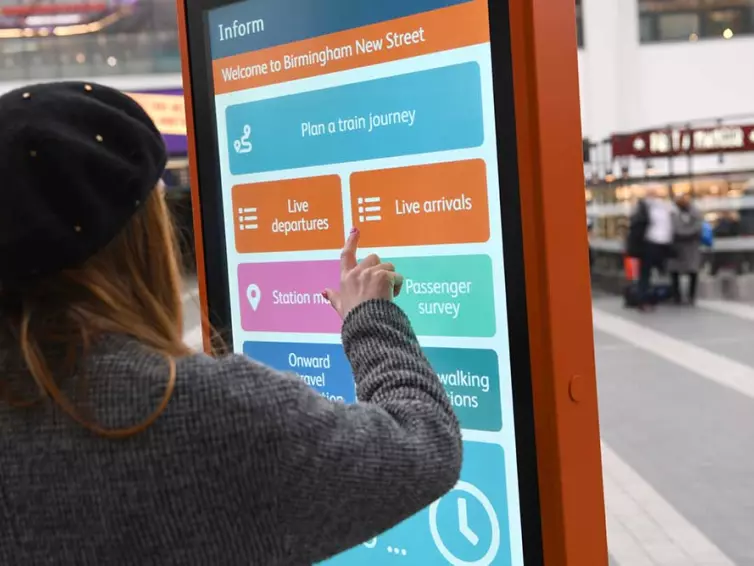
[246, 466]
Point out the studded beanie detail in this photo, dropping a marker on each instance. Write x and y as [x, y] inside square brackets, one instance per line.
[76, 162]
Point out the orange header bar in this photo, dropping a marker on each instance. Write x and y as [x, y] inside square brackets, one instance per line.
[439, 30]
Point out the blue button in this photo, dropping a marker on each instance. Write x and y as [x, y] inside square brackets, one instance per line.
[324, 367]
[467, 527]
[424, 112]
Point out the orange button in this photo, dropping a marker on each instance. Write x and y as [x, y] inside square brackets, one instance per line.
[290, 215]
[444, 203]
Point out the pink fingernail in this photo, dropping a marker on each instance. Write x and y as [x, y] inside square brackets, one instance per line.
[354, 230]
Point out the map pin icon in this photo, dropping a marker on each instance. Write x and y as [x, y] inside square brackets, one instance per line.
[254, 294]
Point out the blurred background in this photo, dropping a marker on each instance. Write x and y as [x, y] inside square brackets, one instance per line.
[667, 108]
[128, 44]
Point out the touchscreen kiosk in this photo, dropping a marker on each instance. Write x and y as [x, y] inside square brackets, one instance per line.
[395, 117]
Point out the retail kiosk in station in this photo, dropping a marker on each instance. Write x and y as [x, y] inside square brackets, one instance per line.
[448, 132]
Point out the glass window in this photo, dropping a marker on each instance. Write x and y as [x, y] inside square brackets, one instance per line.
[647, 28]
[677, 26]
[692, 20]
[725, 23]
[45, 39]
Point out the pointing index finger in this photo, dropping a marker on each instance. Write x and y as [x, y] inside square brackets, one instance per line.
[348, 255]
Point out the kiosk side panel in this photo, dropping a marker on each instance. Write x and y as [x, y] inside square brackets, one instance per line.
[558, 289]
[194, 174]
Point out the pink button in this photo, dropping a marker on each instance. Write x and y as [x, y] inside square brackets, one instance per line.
[287, 297]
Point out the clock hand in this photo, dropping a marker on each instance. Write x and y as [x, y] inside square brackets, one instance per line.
[463, 522]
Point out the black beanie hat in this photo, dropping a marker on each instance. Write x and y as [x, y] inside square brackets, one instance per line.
[77, 160]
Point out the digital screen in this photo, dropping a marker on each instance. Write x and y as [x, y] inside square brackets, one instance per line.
[378, 115]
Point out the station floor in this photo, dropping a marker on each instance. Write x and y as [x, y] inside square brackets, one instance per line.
[676, 391]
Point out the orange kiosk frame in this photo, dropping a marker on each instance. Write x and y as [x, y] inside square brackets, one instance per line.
[558, 299]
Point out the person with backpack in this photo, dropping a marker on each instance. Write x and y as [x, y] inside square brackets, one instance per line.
[650, 238]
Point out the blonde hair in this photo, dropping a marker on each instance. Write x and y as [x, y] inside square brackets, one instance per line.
[132, 287]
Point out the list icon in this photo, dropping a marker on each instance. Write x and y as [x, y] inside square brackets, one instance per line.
[247, 219]
[370, 209]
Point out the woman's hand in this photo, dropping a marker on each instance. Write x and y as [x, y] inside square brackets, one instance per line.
[361, 282]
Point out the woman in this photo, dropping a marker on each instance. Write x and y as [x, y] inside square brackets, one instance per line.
[119, 445]
[687, 256]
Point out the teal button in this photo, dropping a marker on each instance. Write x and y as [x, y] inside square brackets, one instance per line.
[472, 381]
[467, 527]
[448, 295]
[423, 112]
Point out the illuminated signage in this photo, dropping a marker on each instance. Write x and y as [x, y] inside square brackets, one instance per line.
[166, 110]
[684, 141]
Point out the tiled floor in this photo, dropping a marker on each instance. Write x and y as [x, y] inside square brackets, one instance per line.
[677, 413]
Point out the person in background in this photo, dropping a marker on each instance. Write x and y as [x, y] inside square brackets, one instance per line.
[654, 238]
[687, 254]
[120, 445]
[728, 225]
[637, 229]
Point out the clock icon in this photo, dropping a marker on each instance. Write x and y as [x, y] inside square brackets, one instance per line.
[466, 530]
